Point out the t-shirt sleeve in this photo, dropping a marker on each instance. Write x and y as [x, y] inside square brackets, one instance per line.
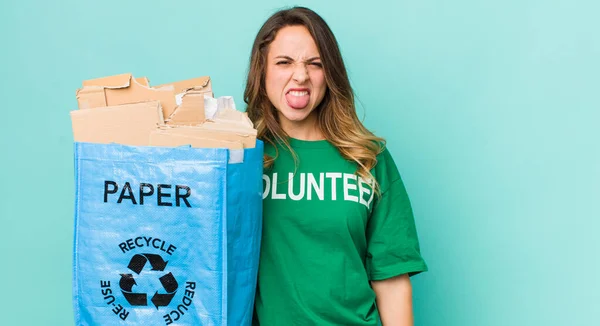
[392, 241]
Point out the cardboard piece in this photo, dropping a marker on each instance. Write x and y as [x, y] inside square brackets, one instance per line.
[123, 89]
[129, 124]
[191, 110]
[171, 139]
[212, 131]
[115, 81]
[201, 84]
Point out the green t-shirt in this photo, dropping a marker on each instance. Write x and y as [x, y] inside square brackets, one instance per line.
[326, 235]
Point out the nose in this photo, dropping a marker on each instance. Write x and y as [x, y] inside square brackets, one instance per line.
[300, 74]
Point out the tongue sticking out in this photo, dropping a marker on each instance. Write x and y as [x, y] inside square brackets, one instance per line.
[297, 102]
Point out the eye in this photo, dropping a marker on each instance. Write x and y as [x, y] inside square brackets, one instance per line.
[317, 64]
[284, 62]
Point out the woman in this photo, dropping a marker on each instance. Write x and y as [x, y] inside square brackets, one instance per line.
[339, 239]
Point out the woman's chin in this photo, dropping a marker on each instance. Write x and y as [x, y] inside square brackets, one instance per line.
[295, 115]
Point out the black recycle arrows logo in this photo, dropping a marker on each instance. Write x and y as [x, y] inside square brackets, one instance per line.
[168, 281]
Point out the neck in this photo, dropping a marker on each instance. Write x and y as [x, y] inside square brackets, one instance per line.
[307, 129]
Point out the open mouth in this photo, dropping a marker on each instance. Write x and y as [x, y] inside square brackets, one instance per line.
[298, 98]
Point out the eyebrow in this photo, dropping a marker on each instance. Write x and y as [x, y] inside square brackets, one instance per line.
[289, 58]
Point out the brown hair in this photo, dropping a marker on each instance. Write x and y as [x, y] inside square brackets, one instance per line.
[337, 117]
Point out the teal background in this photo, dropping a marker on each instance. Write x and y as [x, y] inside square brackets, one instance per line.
[491, 109]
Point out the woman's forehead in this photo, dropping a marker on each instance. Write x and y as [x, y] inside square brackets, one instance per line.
[294, 42]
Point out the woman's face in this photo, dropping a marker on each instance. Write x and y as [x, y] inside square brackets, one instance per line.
[295, 80]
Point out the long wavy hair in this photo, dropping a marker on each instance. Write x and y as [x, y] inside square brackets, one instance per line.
[337, 118]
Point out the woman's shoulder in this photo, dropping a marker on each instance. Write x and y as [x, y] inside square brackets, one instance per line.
[383, 156]
[385, 170]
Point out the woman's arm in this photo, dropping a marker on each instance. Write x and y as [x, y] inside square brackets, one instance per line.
[394, 300]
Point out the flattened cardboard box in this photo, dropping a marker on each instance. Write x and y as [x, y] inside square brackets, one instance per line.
[129, 124]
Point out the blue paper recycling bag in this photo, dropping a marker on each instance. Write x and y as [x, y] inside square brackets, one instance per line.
[166, 236]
